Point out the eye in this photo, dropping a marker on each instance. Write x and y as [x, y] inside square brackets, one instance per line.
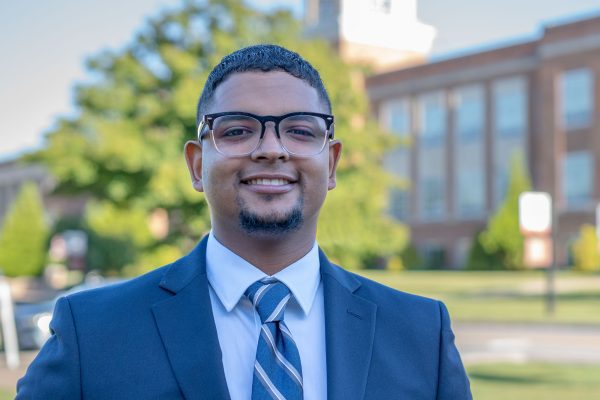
[300, 132]
[237, 132]
[235, 127]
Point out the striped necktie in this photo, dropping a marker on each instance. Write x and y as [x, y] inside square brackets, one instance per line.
[277, 369]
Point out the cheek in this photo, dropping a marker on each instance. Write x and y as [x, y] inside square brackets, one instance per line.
[317, 187]
[218, 179]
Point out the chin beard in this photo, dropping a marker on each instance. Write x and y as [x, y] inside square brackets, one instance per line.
[271, 225]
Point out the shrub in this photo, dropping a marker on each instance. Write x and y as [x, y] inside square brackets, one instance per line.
[24, 237]
[585, 252]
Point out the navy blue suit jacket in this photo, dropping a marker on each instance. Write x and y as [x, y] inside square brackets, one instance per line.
[154, 337]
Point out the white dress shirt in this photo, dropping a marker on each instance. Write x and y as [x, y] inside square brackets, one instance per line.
[238, 324]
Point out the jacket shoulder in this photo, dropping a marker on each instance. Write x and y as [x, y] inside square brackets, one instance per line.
[143, 288]
[378, 292]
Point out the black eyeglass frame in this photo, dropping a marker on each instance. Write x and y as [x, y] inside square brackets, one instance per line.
[208, 120]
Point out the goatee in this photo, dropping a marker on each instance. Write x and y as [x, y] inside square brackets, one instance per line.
[271, 225]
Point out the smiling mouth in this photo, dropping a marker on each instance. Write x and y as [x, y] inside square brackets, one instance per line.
[267, 182]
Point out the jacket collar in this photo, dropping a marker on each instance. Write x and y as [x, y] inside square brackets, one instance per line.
[186, 269]
[186, 325]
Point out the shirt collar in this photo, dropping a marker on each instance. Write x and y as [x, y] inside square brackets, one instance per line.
[230, 275]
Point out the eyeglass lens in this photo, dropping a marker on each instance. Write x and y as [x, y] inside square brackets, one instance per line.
[240, 134]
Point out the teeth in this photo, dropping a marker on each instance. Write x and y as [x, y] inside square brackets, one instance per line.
[270, 182]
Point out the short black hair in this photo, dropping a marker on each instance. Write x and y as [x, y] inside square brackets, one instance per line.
[265, 58]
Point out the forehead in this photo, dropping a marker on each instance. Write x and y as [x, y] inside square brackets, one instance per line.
[265, 93]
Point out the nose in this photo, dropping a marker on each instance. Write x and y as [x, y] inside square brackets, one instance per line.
[270, 146]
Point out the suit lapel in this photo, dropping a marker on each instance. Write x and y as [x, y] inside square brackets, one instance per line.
[186, 325]
[350, 329]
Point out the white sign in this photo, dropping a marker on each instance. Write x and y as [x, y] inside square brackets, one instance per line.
[535, 212]
[538, 251]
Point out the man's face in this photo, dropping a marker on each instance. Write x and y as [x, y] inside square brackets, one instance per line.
[268, 192]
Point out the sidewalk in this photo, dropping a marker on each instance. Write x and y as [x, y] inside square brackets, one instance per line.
[9, 378]
[495, 342]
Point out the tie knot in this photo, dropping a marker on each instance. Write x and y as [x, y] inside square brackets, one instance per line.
[269, 297]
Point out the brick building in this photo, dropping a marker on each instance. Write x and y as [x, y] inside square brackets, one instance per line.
[467, 117]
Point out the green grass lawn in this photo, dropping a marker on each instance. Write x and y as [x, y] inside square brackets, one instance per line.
[535, 381]
[502, 296]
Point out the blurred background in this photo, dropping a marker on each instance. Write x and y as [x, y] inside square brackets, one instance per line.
[449, 111]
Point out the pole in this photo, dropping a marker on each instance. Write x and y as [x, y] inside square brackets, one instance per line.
[551, 288]
[9, 331]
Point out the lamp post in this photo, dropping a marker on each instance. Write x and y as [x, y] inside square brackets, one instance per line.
[537, 220]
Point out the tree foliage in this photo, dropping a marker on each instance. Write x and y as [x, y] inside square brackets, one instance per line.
[125, 146]
[481, 259]
[502, 240]
[23, 241]
[586, 256]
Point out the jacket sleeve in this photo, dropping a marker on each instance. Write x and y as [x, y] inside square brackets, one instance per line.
[55, 372]
[453, 383]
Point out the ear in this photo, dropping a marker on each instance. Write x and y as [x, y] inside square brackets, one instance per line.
[335, 152]
[193, 157]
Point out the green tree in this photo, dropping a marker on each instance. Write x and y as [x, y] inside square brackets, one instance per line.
[585, 252]
[480, 259]
[125, 147]
[24, 236]
[502, 239]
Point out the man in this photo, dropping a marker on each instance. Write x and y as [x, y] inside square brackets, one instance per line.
[255, 311]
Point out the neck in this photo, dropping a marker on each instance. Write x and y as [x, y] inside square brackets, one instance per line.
[268, 253]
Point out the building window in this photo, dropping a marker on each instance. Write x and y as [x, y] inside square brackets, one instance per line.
[576, 98]
[509, 97]
[462, 248]
[510, 107]
[397, 161]
[470, 116]
[432, 119]
[433, 255]
[469, 167]
[431, 197]
[432, 156]
[395, 116]
[470, 193]
[501, 183]
[578, 178]
[399, 204]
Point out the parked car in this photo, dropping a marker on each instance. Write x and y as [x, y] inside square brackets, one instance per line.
[33, 319]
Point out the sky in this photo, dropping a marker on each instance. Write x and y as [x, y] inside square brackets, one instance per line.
[45, 43]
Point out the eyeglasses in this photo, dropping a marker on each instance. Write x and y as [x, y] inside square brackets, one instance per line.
[237, 133]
